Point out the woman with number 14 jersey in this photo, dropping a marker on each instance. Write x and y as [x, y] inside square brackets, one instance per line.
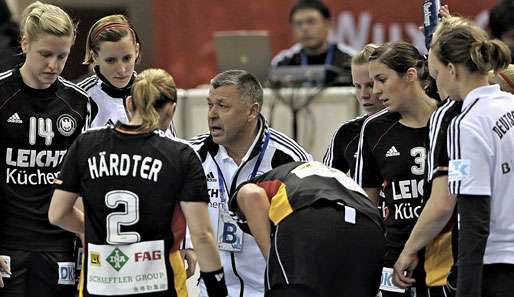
[137, 184]
[41, 114]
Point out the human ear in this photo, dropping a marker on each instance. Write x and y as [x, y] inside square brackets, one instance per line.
[24, 45]
[411, 74]
[452, 70]
[255, 110]
[130, 104]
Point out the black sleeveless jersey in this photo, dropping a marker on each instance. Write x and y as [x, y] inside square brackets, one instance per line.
[131, 183]
[37, 128]
[342, 151]
[392, 156]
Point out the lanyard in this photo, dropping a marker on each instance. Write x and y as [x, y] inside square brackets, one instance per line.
[328, 60]
[221, 179]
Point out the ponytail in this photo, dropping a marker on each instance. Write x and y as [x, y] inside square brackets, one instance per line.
[490, 55]
[152, 89]
[459, 41]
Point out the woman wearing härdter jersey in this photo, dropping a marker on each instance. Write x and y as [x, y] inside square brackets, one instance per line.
[40, 116]
[137, 184]
[113, 48]
[393, 144]
[480, 147]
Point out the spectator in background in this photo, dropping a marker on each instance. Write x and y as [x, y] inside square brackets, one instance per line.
[501, 23]
[311, 21]
[9, 34]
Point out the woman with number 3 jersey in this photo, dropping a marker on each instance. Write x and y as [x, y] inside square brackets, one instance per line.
[393, 144]
[137, 184]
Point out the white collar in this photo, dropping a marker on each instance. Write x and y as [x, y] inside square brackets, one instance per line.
[479, 92]
[223, 154]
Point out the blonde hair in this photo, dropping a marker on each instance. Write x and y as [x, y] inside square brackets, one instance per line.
[505, 78]
[362, 57]
[152, 89]
[459, 41]
[109, 28]
[40, 18]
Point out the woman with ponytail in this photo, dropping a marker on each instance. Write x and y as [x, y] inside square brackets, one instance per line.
[480, 147]
[393, 144]
[135, 182]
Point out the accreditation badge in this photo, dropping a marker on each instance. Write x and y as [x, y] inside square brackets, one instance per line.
[230, 236]
[126, 269]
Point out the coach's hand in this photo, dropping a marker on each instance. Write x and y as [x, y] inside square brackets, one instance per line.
[4, 269]
[403, 269]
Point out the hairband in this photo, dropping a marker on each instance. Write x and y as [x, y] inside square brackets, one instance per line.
[506, 78]
[110, 26]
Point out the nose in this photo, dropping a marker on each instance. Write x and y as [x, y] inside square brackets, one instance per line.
[365, 92]
[377, 88]
[122, 68]
[212, 113]
[53, 63]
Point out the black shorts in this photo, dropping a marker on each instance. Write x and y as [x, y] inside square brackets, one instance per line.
[498, 280]
[42, 274]
[316, 249]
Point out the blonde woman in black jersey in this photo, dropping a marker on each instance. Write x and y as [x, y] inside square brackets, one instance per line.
[139, 188]
[40, 115]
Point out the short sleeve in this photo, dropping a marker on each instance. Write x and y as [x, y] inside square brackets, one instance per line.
[334, 156]
[471, 159]
[367, 172]
[194, 187]
[70, 175]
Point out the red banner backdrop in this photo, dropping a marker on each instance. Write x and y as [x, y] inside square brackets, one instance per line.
[184, 29]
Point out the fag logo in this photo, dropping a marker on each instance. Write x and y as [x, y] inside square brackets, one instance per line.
[147, 256]
[117, 259]
[66, 125]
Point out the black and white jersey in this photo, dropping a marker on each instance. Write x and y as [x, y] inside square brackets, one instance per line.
[37, 128]
[342, 151]
[441, 252]
[437, 159]
[392, 156]
[110, 102]
[111, 105]
[481, 149]
[298, 185]
[131, 183]
[243, 269]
